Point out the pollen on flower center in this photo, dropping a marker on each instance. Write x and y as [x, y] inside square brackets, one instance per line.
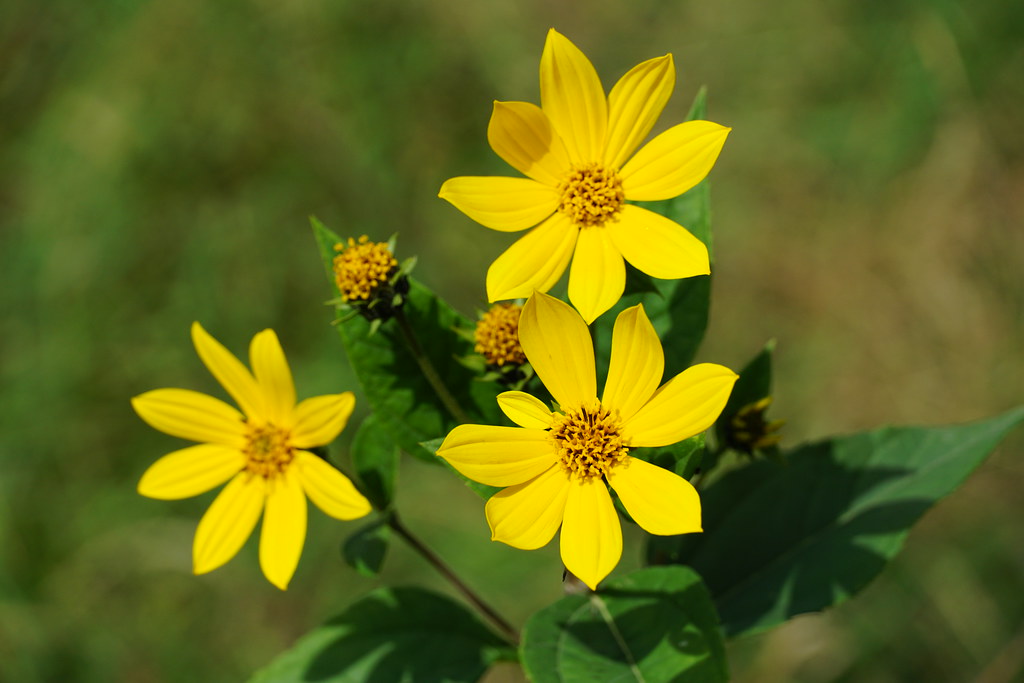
[591, 195]
[268, 450]
[361, 267]
[497, 335]
[589, 441]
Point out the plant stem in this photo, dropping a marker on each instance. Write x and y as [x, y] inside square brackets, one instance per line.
[431, 557]
[428, 370]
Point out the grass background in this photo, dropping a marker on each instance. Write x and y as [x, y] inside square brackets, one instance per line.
[158, 162]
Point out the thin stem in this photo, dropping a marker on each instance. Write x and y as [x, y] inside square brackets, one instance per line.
[428, 369]
[430, 556]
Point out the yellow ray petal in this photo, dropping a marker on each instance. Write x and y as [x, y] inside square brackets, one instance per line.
[661, 502]
[525, 410]
[229, 521]
[597, 277]
[673, 162]
[229, 371]
[634, 105]
[521, 134]
[686, 405]
[329, 489]
[506, 204]
[535, 261]
[591, 542]
[191, 415]
[191, 471]
[528, 515]
[317, 421]
[658, 246]
[557, 343]
[284, 529]
[636, 365]
[573, 98]
[273, 375]
[498, 456]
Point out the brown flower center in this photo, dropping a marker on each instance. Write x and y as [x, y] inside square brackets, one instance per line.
[497, 335]
[589, 441]
[591, 195]
[268, 450]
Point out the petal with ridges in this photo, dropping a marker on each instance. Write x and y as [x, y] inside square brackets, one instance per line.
[317, 421]
[499, 203]
[591, 542]
[535, 261]
[686, 405]
[229, 521]
[521, 134]
[191, 471]
[557, 343]
[528, 515]
[329, 489]
[657, 245]
[498, 456]
[525, 410]
[229, 371]
[191, 415]
[634, 105]
[284, 529]
[673, 162]
[661, 502]
[273, 375]
[573, 98]
[637, 363]
[597, 277]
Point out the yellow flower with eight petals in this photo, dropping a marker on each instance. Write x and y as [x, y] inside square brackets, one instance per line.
[557, 466]
[261, 454]
[576, 153]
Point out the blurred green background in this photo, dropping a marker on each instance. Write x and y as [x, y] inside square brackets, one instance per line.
[158, 161]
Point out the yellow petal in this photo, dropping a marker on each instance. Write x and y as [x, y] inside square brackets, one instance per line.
[317, 421]
[191, 471]
[528, 515]
[557, 343]
[498, 456]
[673, 162]
[521, 134]
[191, 415]
[525, 410]
[506, 204]
[598, 274]
[686, 405]
[329, 489]
[284, 529]
[658, 246]
[273, 375]
[229, 371]
[634, 105]
[572, 97]
[535, 261]
[661, 502]
[229, 521]
[591, 540]
[636, 365]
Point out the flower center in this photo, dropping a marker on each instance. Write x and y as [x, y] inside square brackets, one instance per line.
[591, 195]
[361, 267]
[268, 450]
[589, 441]
[497, 335]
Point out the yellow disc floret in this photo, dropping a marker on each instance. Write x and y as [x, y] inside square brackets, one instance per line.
[589, 441]
[497, 335]
[361, 267]
[591, 195]
[268, 450]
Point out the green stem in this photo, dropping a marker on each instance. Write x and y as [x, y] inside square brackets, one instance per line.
[428, 370]
[431, 557]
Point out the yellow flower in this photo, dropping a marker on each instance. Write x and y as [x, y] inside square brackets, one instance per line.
[575, 150]
[497, 335]
[262, 455]
[558, 465]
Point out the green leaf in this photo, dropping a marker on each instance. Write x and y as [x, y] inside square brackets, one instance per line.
[375, 458]
[682, 458]
[399, 634]
[364, 550]
[781, 540]
[655, 624]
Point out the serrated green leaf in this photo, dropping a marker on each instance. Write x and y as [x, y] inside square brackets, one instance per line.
[364, 550]
[655, 624]
[375, 458]
[399, 634]
[781, 540]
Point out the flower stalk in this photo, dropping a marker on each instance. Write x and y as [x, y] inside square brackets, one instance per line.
[428, 369]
